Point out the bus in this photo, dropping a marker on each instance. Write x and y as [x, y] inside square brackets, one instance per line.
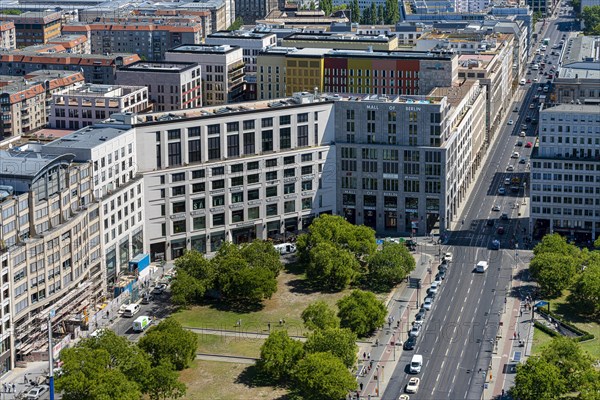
[546, 41]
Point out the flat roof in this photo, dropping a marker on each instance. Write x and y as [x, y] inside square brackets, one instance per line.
[341, 37]
[240, 34]
[88, 137]
[204, 48]
[30, 163]
[578, 108]
[159, 66]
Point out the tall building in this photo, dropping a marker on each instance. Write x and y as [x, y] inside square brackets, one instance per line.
[35, 27]
[565, 173]
[251, 42]
[7, 35]
[253, 10]
[85, 105]
[25, 101]
[222, 70]
[171, 85]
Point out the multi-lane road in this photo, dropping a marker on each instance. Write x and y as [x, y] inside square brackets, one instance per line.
[460, 331]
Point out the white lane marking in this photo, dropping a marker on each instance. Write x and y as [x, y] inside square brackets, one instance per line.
[447, 350]
[462, 308]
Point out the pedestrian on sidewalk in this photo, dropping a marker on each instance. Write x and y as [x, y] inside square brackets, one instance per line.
[369, 355]
[514, 335]
[376, 342]
[364, 355]
[13, 388]
[361, 386]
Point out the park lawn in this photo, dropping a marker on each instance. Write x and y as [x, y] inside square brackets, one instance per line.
[225, 381]
[570, 314]
[229, 345]
[292, 297]
[540, 339]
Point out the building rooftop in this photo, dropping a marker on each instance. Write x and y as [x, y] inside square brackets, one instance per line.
[240, 34]
[32, 84]
[293, 52]
[341, 37]
[94, 90]
[574, 108]
[159, 66]
[204, 49]
[582, 48]
[580, 70]
[87, 138]
[19, 164]
[66, 58]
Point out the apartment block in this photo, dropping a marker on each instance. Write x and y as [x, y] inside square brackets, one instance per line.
[353, 72]
[51, 235]
[253, 10]
[85, 105]
[35, 27]
[251, 43]
[117, 189]
[253, 170]
[8, 35]
[73, 44]
[96, 68]
[565, 173]
[24, 101]
[341, 41]
[222, 70]
[405, 162]
[171, 85]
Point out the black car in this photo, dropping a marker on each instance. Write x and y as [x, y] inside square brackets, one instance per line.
[420, 316]
[147, 298]
[528, 119]
[410, 343]
[442, 268]
[442, 274]
[490, 222]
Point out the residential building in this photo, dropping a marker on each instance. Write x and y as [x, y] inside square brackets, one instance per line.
[7, 35]
[117, 189]
[85, 105]
[148, 40]
[252, 170]
[96, 68]
[546, 7]
[221, 68]
[307, 20]
[24, 101]
[171, 85]
[341, 41]
[578, 76]
[73, 44]
[565, 173]
[353, 71]
[251, 42]
[253, 10]
[35, 27]
[405, 162]
[51, 234]
[467, 6]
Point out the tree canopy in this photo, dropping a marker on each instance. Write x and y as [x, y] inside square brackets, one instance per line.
[361, 312]
[392, 12]
[591, 20]
[332, 267]
[389, 266]
[170, 342]
[555, 264]
[323, 376]
[585, 293]
[279, 355]
[338, 341]
[538, 379]
[319, 315]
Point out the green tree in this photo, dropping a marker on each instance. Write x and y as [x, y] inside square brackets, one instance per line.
[536, 17]
[87, 374]
[389, 266]
[591, 20]
[354, 12]
[380, 14]
[585, 293]
[538, 379]
[591, 389]
[163, 383]
[312, 5]
[332, 267]
[326, 6]
[373, 13]
[392, 12]
[340, 342]
[319, 315]
[261, 253]
[237, 24]
[361, 312]
[555, 244]
[323, 376]
[365, 19]
[170, 342]
[11, 11]
[554, 272]
[571, 361]
[279, 355]
[195, 275]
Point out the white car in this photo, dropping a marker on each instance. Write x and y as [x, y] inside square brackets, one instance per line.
[416, 330]
[510, 122]
[413, 385]
[448, 257]
[433, 288]
[404, 397]
[510, 168]
[515, 155]
[37, 392]
[428, 303]
[496, 207]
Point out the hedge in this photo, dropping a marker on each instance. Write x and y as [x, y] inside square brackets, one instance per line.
[583, 335]
[545, 329]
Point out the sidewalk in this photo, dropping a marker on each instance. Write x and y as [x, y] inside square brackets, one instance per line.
[385, 349]
[35, 371]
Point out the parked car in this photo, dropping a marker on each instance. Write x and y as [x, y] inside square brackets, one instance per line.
[147, 298]
[413, 385]
[495, 244]
[416, 330]
[428, 303]
[529, 145]
[500, 230]
[38, 391]
[510, 168]
[496, 207]
[448, 257]
[441, 274]
[433, 288]
[410, 343]
[159, 289]
[519, 143]
[501, 191]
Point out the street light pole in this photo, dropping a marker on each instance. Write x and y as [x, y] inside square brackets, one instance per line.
[50, 356]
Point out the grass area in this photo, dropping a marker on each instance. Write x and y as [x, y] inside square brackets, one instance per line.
[229, 345]
[540, 339]
[225, 381]
[571, 314]
[292, 297]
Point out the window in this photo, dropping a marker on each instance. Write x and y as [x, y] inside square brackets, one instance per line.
[218, 201]
[214, 129]
[194, 151]
[199, 173]
[198, 187]
[233, 145]
[218, 219]
[249, 143]
[194, 131]
[270, 163]
[271, 175]
[303, 136]
[214, 148]
[272, 210]
[237, 216]
[233, 126]
[271, 191]
[289, 172]
[199, 223]
[179, 207]
[254, 178]
[218, 184]
[289, 160]
[179, 226]
[174, 154]
[303, 117]
[248, 125]
[307, 170]
[178, 177]
[285, 138]
[178, 190]
[237, 168]
[289, 188]
[252, 165]
[174, 134]
[289, 206]
[237, 181]
[237, 197]
[198, 204]
[254, 213]
[306, 185]
[267, 122]
[267, 140]
[306, 157]
[285, 120]
[217, 171]
[253, 194]
[306, 203]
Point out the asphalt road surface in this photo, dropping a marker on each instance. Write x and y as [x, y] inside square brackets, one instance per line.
[460, 330]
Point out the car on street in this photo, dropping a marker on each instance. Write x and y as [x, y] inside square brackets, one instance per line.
[528, 145]
[38, 391]
[433, 288]
[421, 314]
[448, 257]
[523, 126]
[510, 122]
[500, 230]
[515, 155]
[404, 397]
[501, 191]
[523, 134]
[443, 268]
[441, 274]
[419, 319]
[496, 207]
[504, 216]
[495, 244]
[413, 385]
[147, 298]
[519, 143]
[415, 331]
[428, 303]
[410, 343]
[522, 161]
[510, 168]
[528, 119]
[159, 289]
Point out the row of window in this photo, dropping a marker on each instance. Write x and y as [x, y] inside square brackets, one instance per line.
[392, 185]
[565, 200]
[578, 212]
[548, 176]
[349, 199]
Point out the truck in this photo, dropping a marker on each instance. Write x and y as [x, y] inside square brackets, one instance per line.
[546, 41]
[141, 323]
[482, 266]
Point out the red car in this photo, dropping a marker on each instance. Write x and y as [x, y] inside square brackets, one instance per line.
[528, 80]
[529, 144]
[500, 230]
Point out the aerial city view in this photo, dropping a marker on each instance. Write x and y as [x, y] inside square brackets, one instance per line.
[286, 200]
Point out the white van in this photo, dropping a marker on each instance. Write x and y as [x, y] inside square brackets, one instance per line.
[141, 323]
[482, 266]
[535, 67]
[416, 363]
[522, 82]
[131, 310]
[285, 248]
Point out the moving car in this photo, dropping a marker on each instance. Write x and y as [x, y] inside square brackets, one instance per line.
[510, 122]
[404, 397]
[523, 133]
[413, 385]
[448, 257]
[495, 244]
[147, 298]
[500, 230]
[501, 191]
[141, 323]
[481, 266]
[38, 391]
[510, 168]
[529, 144]
[522, 161]
[416, 363]
[410, 343]
[519, 143]
[515, 154]
[496, 207]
